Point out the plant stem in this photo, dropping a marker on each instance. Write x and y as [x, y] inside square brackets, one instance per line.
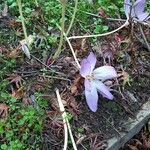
[99, 35]
[66, 123]
[144, 37]
[62, 110]
[72, 50]
[73, 17]
[23, 22]
[36, 3]
[57, 53]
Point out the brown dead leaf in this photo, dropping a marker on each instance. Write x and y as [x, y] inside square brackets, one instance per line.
[118, 38]
[81, 47]
[14, 78]
[131, 147]
[102, 13]
[96, 144]
[76, 85]
[84, 44]
[18, 93]
[125, 77]
[14, 53]
[14, 24]
[26, 100]
[107, 52]
[145, 139]
[4, 110]
[74, 89]
[70, 102]
[38, 87]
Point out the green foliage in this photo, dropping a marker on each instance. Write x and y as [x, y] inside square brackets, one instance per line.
[6, 65]
[80, 130]
[17, 145]
[99, 27]
[52, 39]
[112, 7]
[69, 116]
[23, 124]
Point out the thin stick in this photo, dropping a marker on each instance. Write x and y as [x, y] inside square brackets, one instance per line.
[141, 22]
[71, 136]
[73, 17]
[144, 37]
[95, 15]
[99, 35]
[65, 119]
[62, 109]
[52, 70]
[73, 53]
[54, 77]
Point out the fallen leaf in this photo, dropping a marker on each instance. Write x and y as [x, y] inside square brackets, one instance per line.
[14, 24]
[14, 53]
[14, 78]
[76, 85]
[131, 147]
[125, 77]
[4, 110]
[102, 13]
[18, 94]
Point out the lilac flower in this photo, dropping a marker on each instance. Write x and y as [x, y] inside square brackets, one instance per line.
[92, 83]
[136, 10]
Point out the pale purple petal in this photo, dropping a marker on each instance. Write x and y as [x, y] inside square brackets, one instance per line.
[139, 6]
[92, 60]
[127, 7]
[85, 68]
[103, 89]
[105, 72]
[25, 49]
[144, 16]
[91, 95]
[87, 65]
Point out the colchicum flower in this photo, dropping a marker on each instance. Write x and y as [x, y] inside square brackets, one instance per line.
[93, 80]
[136, 10]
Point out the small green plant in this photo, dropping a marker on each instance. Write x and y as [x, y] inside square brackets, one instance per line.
[111, 7]
[24, 123]
[80, 130]
[99, 27]
[6, 65]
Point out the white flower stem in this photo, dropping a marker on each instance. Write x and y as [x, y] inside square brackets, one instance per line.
[72, 50]
[66, 123]
[61, 107]
[99, 35]
[73, 53]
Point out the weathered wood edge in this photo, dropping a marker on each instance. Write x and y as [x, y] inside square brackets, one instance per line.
[136, 125]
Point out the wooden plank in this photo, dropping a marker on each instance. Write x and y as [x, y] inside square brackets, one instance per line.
[135, 125]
